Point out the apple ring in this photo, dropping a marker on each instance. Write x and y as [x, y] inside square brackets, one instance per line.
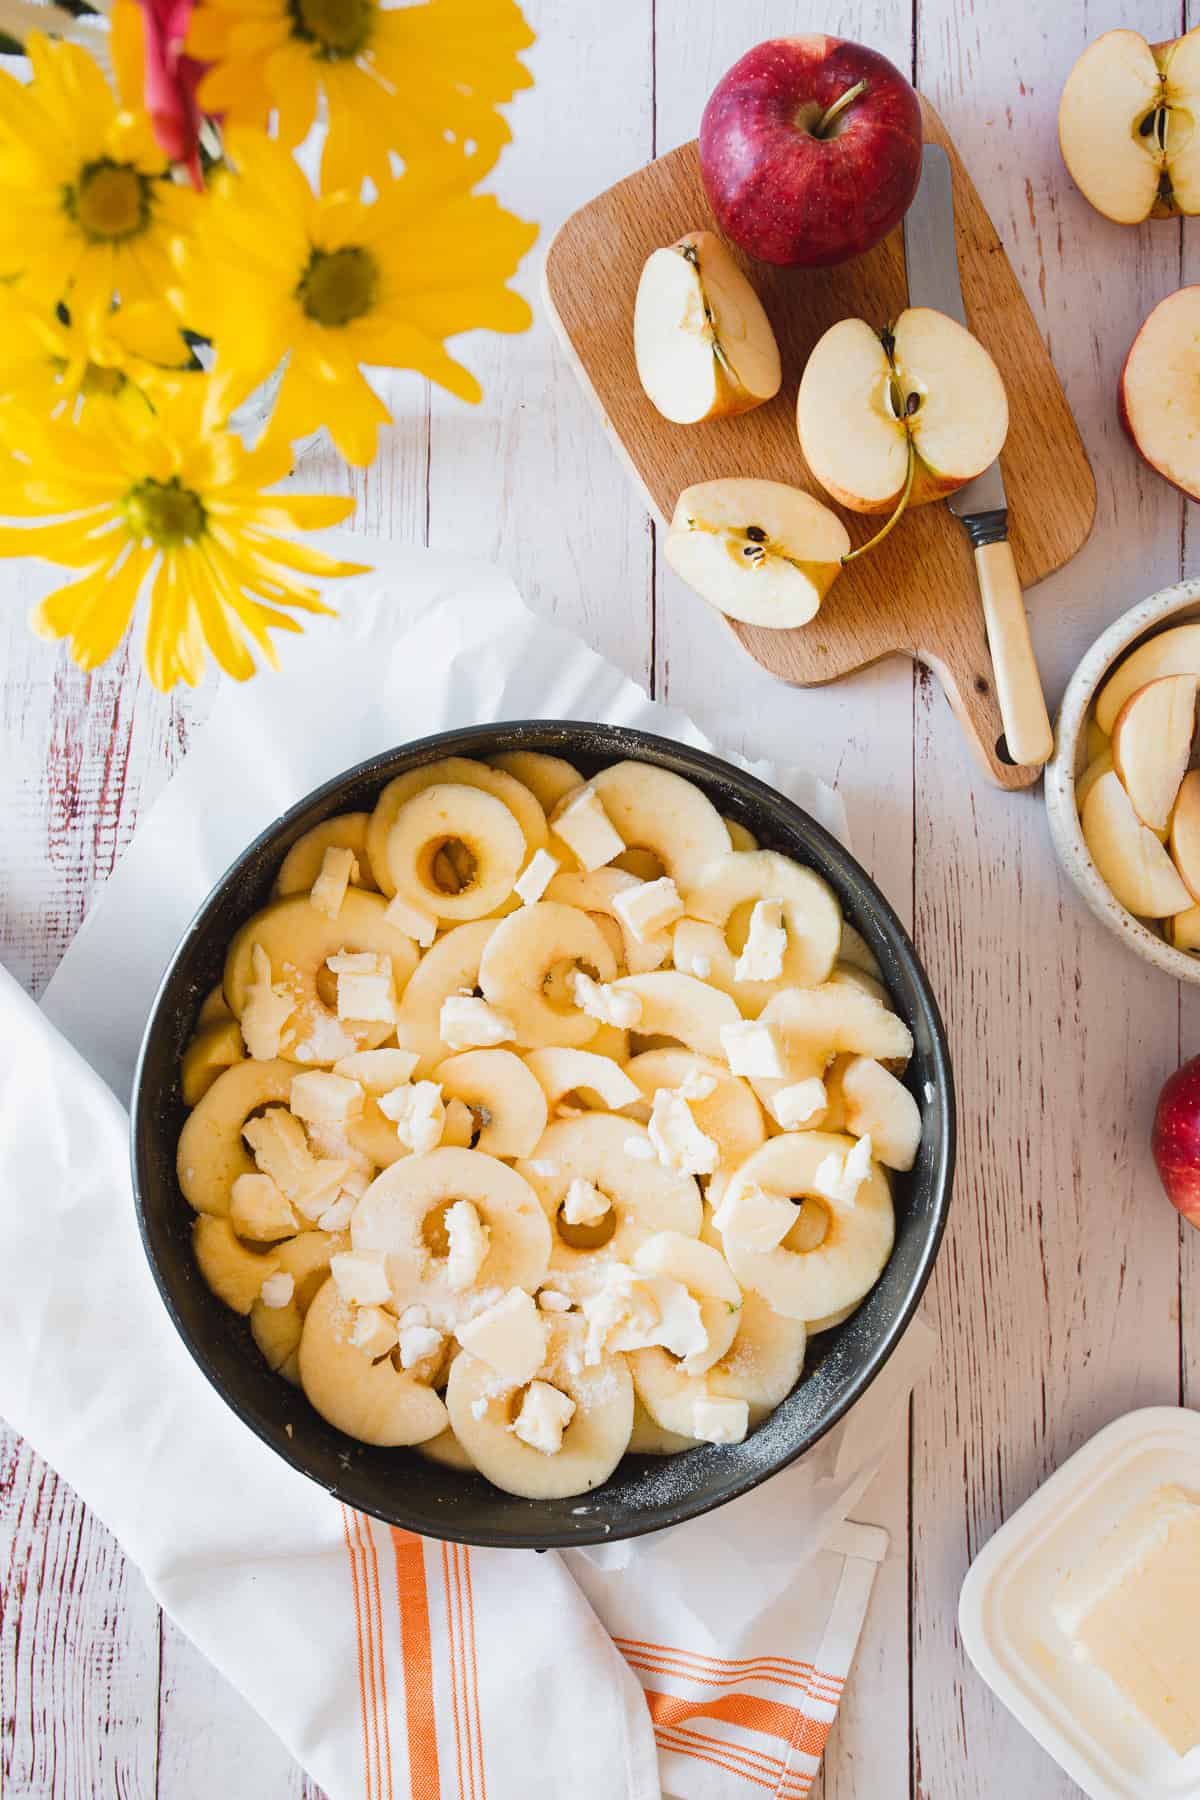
[739, 836]
[524, 967]
[584, 1076]
[277, 1329]
[299, 940]
[373, 1401]
[761, 1366]
[730, 1114]
[302, 864]
[593, 1442]
[401, 1215]
[503, 1094]
[548, 778]
[461, 771]
[594, 891]
[450, 817]
[235, 1271]
[682, 1008]
[212, 1050]
[730, 887]
[649, 1439]
[211, 1154]
[664, 813]
[644, 1198]
[446, 1450]
[214, 1009]
[451, 966]
[846, 1261]
[818, 1024]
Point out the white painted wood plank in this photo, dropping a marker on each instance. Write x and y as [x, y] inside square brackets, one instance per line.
[1055, 1289]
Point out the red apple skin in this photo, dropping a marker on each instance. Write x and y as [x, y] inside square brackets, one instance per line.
[1175, 1140]
[785, 196]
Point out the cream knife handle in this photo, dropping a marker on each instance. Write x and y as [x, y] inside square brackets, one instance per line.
[1018, 684]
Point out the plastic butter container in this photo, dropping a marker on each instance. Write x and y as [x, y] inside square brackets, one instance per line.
[1007, 1612]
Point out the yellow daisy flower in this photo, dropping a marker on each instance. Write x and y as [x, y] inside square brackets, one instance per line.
[163, 503]
[87, 204]
[337, 282]
[412, 78]
[56, 361]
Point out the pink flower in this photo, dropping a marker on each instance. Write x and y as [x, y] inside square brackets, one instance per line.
[170, 82]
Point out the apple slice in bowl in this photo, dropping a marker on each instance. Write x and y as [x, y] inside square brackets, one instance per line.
[1129, 857]
[1151, 744]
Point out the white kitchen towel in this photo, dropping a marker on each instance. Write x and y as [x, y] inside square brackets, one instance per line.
[388, 1665]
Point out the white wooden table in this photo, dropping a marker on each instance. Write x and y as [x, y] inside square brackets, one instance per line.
[1064, 1294]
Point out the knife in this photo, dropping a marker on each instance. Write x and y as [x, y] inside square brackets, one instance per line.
[931, 257]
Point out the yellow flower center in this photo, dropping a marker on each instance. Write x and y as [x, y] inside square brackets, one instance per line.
[97, 379]
[165, 512]
[338, 27]
[110, 202]
[339, 286]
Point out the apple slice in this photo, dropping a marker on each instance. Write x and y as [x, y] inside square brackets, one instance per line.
[1097, 741]
[756, 550]
[1100, 765]
[1185, 833]
[1151, 743]
[1126, 126]
[870, 401]
[1183, 931]
[1158, 396]
[1128, 855]
[1174, 652]
[703, 344]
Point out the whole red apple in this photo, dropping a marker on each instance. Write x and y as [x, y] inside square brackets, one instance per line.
[810, 150]
[1175, 1140]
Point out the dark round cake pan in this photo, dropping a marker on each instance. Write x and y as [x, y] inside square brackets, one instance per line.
[645, 1493]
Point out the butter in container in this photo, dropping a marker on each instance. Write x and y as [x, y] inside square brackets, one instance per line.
[1083, 1611]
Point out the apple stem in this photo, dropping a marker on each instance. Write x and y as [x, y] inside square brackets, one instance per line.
[901, 504]
[821, 128]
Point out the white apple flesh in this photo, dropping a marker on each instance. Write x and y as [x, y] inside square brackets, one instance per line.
[703, 344]
[1127, 854]
[1185, 834]
[1151, 744]
[1091, 775]
[758, 551]
[1158, 396]
[1174, 652]
[1126, 126]
[868, 401]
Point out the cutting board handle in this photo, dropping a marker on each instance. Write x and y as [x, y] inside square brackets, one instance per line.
[964, 669]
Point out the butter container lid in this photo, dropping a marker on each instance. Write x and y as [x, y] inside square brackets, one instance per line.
[1006, 1610]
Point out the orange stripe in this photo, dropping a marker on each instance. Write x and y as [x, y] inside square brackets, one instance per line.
[451, 1623]
[660, 1666]
[362, 1670]
[768, 1772]
[714, 1662]
[416, 1655]
[771, 1717]
[383, 1692]
[759, 1759]
[466, 1564]
[371, 1635]
[665, 1742]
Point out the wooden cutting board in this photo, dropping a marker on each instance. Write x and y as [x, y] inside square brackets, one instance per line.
[916, 595]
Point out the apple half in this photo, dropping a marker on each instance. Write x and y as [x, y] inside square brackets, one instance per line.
[1158, 395]
[1127, 854]
[1126, 126]
[759, 551]
[1174, 652]
[1185, 833]
[895, 418]
[703, 344]
[1151, 744]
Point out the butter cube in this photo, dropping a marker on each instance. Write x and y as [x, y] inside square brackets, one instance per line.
[280, 1148]
[417, 1343]
[418, 925]
[365, 988]
[267, 1010]
[766, 941]
[586, 829]
[533, 882]
[338, 869]
[585, 1204]
[838, 1178]
[330, 1101]
[600, 1000]
[374, 1331]
[277, 1290]
[360, 1277]
[679, 1141]
[510, 1337]
[648, 908]
[752, 1048]
[752, 1219]
[417, 1112]
[469, 1239]
[793, 1106]
[467, 1023]
[720, 1421]
[544, 1415]
[260, 1210]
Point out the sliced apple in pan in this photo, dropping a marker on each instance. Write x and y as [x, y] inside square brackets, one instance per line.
[1185, 833]
[1099, 766]
[703, 344]
[756, 550]
[1157, 392]
[1151, 743]
[918, 408]
[1126, 126]
[1174, 652]
[1128, 855]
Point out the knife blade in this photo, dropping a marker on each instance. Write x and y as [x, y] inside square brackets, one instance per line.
[931, 259]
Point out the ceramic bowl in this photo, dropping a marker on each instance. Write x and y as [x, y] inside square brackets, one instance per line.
[1170, 606]
[400, 1486]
